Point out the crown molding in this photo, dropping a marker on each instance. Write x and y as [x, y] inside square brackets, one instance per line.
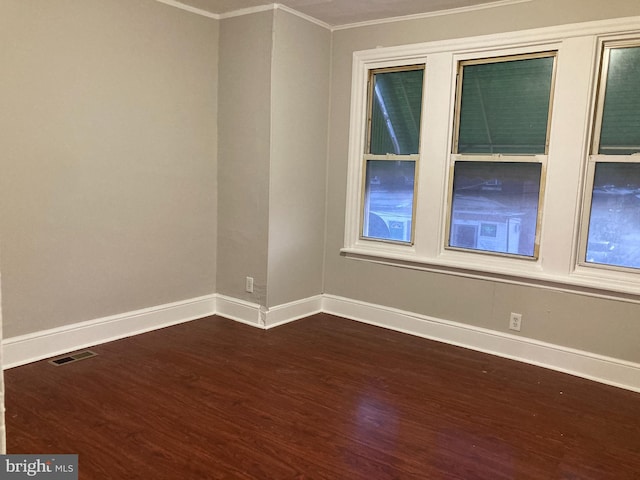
[189, 8]
[274, 6]
[304, 16]
[248, 11]
[309, 18]
[438, 13]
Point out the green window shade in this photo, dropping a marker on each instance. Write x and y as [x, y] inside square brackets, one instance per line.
[395, 112]
[620, 133]
[505, 106]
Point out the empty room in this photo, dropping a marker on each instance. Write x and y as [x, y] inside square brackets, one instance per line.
[320, 239]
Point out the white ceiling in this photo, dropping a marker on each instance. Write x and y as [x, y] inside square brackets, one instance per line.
[345, 12]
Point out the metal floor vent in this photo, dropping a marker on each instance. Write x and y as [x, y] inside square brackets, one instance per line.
[72, 358]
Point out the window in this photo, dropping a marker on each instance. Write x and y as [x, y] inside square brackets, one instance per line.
[613, 226]
[503, 111]
[391, 153]
[513, 157]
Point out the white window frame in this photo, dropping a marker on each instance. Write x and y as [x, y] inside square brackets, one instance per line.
[591, 269]
[540, 159]
[557, 266]
[367, 157]
[358, 146]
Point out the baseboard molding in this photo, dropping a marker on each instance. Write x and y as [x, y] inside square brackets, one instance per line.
[290, 312]
[240, 311]
[266, 318]
[36, 346]
[48, 343]
[607, 370]
[57, 341]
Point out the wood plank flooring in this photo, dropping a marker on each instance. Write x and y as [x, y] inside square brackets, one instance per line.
[320, 398]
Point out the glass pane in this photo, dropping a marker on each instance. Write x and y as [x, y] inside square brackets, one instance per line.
[495, 207]
[614, 224]
[505, 107]
[388, 210]
[620, 134]
[395, 115]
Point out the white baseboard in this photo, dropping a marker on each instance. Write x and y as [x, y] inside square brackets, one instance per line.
[36, 346]
[292, 311]
[265, 318]
[240, 311]
[607, 370]
[57, 341]
[48, 343]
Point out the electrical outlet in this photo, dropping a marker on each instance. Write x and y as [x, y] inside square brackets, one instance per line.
[248, 285]
[515, 321]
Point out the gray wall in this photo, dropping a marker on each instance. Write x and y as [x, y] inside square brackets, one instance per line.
[601, 326]
[108, 163]
[244, 119]
[273, 117]
[300, 103]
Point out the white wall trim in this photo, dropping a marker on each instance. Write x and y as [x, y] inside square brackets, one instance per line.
[290, 312]
[248, 11]
[275, 6]
[437, 13]
[240, 310]
[189, 8]
[258, 316]
[57, 341]
[32, 347]
[607, 370]
[304, 16]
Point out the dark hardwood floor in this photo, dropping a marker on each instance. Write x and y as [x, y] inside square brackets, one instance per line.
[320, 398]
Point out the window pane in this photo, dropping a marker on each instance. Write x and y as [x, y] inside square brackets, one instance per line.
[505, 106]
[620, 134]
[495, 207]
[395, 115]
[388, 212]
[614, 224]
